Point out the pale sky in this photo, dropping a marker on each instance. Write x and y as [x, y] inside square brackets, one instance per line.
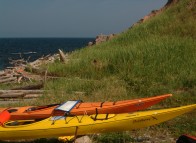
[71, 18]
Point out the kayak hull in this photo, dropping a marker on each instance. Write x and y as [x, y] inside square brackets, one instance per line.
[90, 124]
[125, 106]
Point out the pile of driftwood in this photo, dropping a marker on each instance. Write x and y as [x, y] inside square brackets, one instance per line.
[36, 66]
[15, 75]
[18, 73]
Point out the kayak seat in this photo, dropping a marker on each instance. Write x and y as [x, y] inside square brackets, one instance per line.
[12, 110]
[40, 107]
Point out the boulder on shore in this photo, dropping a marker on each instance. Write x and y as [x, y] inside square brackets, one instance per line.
[101, 38]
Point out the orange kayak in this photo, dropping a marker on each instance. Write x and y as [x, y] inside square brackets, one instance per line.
[125, 106]
[4, 116]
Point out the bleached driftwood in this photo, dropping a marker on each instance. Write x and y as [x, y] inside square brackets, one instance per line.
[12, 95]
[2, 73]
[23, 91]
[18, 93]
[32, 96]
[20, 62]
[5, 76]
[30, 87]
[62, 56]
[19, 72]
[44, 60]
[7, 80]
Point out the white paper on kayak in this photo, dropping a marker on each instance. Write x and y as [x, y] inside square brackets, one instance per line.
[67, 106]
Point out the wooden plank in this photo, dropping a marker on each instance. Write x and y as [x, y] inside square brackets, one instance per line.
[20, 93]
[12, 95]
[6, 76]
[2, 73]
[30, 87]
[8, 79]
[32, 96]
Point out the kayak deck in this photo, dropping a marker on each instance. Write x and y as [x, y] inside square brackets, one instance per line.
[125, 106]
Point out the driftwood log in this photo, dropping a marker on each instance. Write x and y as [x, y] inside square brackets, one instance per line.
[44, 60]
[19, 93]
[62, 56]
[30, 87]
[6, 76]
[9, 79]
[32, 96]
[2, 73]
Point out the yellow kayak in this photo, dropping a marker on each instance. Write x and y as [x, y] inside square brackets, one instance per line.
[89, 124]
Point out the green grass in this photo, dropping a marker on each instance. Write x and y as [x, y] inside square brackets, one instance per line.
[152, 58]
[155, 57]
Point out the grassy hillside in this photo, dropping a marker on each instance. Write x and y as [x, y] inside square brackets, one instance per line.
[152, 58]
[155, 57]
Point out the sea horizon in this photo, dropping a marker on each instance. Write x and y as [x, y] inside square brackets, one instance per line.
[38, 47]
[47, 37]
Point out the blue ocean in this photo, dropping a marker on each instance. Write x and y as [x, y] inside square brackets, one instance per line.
[32, 48]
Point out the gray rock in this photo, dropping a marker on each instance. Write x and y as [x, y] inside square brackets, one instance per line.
[84, 139]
